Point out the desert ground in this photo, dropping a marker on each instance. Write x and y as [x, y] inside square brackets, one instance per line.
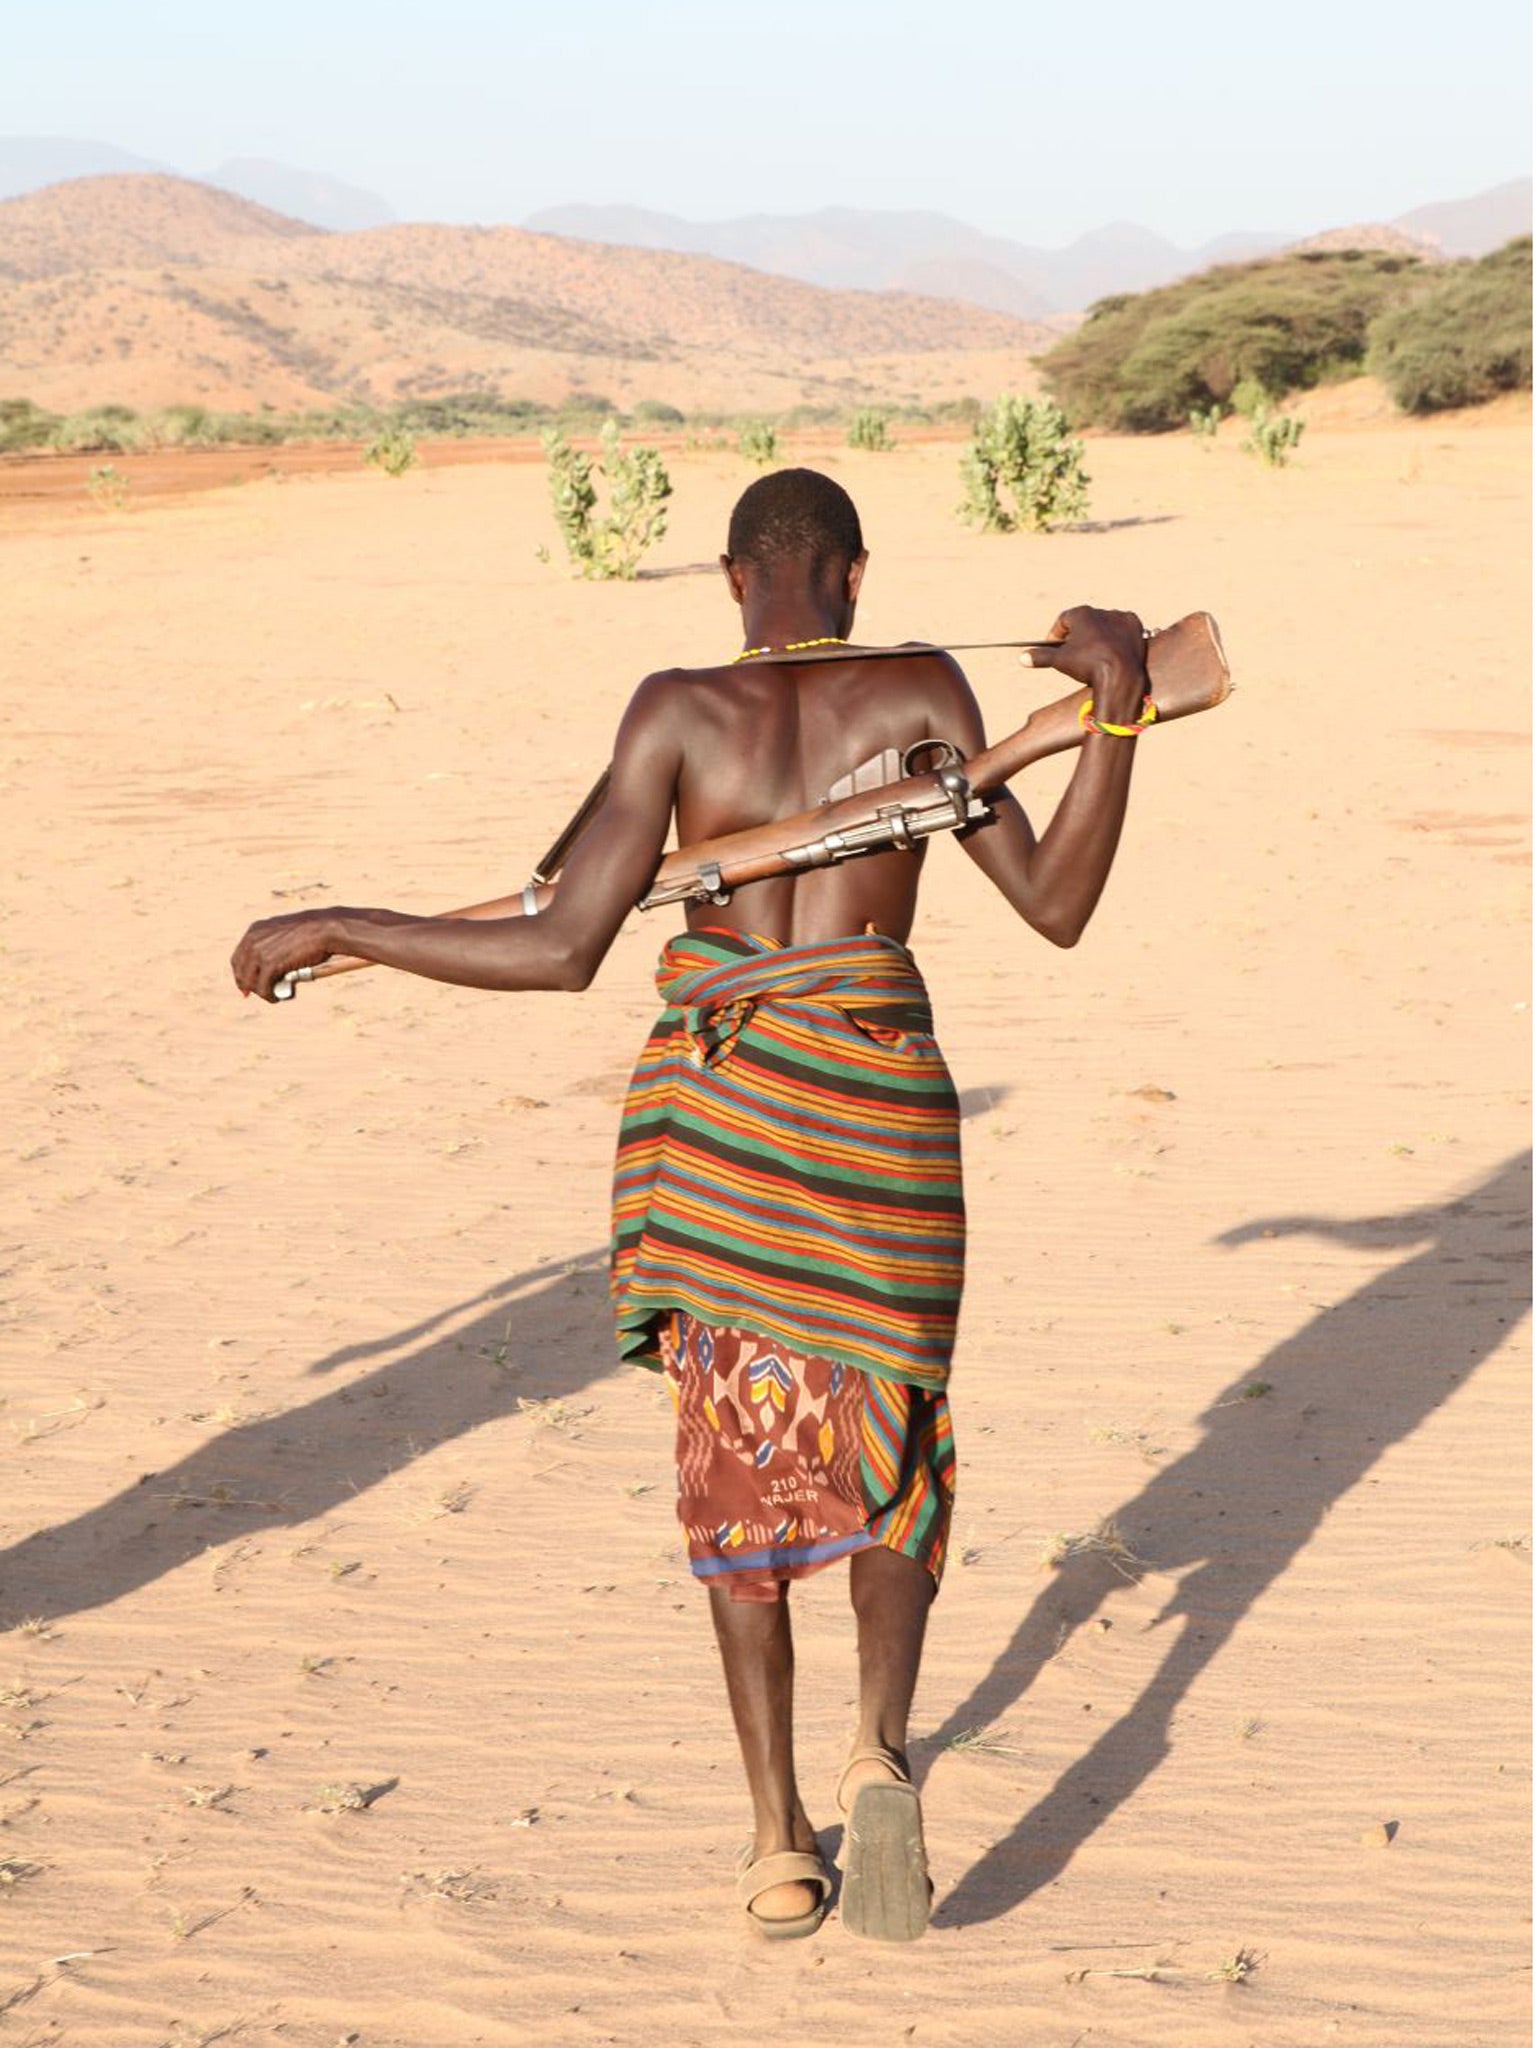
[357, 1690]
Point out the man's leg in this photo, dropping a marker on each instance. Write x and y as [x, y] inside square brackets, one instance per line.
[891, 1597]
[758, 1653]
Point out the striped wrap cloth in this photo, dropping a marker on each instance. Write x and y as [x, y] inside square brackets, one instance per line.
[789, 1157]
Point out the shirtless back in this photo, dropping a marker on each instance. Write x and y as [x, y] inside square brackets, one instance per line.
[725, 748]
[761, 743]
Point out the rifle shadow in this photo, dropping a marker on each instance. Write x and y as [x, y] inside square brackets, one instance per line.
[1234, 1511]
[545, 1331]
[679, 569]
[1119, 525]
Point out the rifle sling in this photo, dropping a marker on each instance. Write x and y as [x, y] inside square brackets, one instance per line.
[550, 866]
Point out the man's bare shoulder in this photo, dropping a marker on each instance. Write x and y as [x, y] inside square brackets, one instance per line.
[664, 689]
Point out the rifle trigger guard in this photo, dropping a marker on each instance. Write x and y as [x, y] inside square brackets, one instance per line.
[711, 884]
[944, 752]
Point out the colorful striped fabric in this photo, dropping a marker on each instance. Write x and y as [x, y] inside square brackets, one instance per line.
[789, 1158]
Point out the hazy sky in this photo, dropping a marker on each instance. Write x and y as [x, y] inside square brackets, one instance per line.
[1033, 121]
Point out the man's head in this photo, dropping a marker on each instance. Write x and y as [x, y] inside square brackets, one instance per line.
[795, 530]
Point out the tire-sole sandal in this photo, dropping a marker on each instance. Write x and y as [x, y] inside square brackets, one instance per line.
[785, 1866]
[886, 1893]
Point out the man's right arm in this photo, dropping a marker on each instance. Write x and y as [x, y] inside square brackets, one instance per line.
[1054, 880]
[607, 871]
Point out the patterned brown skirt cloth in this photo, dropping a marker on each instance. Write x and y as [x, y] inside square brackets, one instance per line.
[787, 1463]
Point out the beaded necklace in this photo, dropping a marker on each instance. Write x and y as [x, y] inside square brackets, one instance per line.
[789, 647]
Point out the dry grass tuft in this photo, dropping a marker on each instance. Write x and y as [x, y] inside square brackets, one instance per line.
[1138, 1440]
[1237, 1968]
[462, 1887]
[1104, 1542]
[555, 1413]
[981, 1742]
[350, 1798]
[209, 1797]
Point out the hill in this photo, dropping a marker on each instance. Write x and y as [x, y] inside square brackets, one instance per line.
[28, 163]
[129, 222]
[914, 251]
[148, 290]
[313, 197]
[1439, 334]
[1476, 226]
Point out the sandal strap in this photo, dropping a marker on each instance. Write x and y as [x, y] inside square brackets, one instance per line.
[785, 1866]
[876, 1755]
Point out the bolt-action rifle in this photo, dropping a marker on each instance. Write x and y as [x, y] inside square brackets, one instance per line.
[1187, 672]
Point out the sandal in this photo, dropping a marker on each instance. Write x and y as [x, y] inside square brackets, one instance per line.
[886, 1893]
[785, 1866]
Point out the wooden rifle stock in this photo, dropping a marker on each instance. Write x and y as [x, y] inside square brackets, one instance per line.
[1187, 670]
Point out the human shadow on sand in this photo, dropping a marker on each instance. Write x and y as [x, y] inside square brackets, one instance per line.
[1234, 1512]
[542, 1332]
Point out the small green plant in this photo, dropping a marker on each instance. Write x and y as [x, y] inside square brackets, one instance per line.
[108, 488]
[1249, 396]
[393, 451]
[602, 547]
[871, 430]
[1271, 436]
[758, 440]
[1203, 424]
[1023, 469]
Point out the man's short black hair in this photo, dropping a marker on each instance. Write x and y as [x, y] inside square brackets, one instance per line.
[792, 514]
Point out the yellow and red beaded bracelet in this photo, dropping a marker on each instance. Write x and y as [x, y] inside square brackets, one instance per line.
[1089, 723]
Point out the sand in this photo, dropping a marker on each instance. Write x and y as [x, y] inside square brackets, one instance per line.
[361, 1693]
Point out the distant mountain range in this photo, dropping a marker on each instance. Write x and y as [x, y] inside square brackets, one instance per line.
[930, 252]
[29, 162]
[146, 290]
[927, 252]
[843, 248]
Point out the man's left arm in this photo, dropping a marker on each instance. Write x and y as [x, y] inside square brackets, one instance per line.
[606, 874]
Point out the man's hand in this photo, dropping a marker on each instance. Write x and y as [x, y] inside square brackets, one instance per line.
[1105, 651]
[276, 945]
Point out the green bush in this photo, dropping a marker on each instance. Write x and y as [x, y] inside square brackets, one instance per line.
[1204, 424]
[655, 412]
[870, 429]
[1464, 339]
[1143, 362]
[114, 429]
[758, 440]
[1023, 469]
[104, 430]
[459, 413]
[393, 451]
[610, 545]
[107, 488]
[24, 425]
[1271, 436]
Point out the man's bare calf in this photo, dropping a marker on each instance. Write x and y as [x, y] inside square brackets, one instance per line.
[891, 1597]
